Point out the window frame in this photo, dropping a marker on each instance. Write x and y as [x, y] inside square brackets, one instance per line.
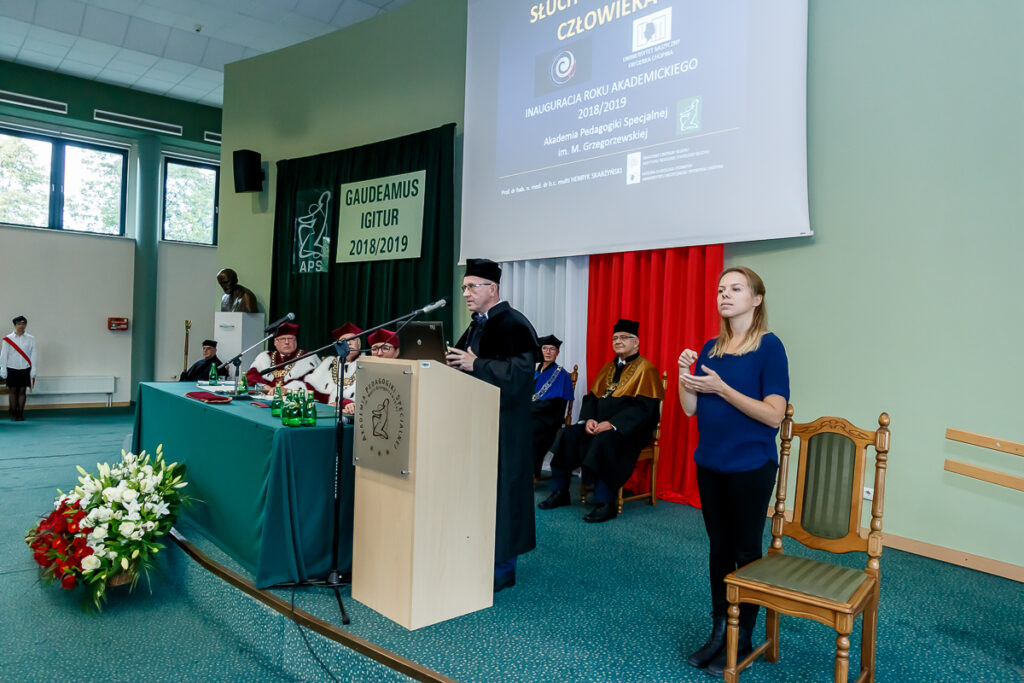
[195, 163]
[55, 202]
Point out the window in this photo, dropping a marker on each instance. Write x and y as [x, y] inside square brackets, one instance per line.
[190, 201]
[48, 182]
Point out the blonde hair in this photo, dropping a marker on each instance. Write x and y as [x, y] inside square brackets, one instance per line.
[758, 326]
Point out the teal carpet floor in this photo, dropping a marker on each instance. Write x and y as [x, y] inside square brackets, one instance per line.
[622, 601]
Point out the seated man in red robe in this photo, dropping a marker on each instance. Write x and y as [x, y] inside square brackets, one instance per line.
[286, 347]
[327, 377]
[384, 344]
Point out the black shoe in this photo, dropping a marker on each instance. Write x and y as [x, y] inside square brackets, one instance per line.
[716, 667]
[602, 512]
[556, 500]
[702, 657]
[504, 581]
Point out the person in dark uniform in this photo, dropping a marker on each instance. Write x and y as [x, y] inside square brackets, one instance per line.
[500, 347]
[200, 370]
[552, 391]
[617, 419]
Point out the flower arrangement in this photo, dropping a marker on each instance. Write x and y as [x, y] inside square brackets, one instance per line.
[104, 532]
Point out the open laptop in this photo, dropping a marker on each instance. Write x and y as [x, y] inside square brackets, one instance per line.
[422, 341]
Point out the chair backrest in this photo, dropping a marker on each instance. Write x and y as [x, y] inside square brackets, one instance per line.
[829, 485]
[574, 375]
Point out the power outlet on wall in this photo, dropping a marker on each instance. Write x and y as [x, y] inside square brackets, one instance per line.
[869, 493]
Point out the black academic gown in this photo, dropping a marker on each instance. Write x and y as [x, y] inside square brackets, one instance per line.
[200, 370]
[611, 456]
[507, 352]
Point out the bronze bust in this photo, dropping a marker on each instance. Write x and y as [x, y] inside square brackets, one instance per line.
[236, 299]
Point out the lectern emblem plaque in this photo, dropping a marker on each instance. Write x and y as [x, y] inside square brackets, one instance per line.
[382, 420]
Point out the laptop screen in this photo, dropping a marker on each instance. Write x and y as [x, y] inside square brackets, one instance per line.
[422, 340]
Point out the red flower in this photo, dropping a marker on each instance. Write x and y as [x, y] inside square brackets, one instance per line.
[68, 582]
[60, 544]
[73, 527]
[79, 543]
[59, 525]
[41, 559]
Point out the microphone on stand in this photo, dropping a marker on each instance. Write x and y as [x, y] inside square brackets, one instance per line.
[429, 308]
[277, 323]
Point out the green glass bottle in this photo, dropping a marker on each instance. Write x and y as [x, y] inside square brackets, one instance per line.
[276, 404]
[309, 412]
[213, 374]
[292, 413]
[243, 384]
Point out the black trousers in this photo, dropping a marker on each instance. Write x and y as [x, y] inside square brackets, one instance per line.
[603, 457]
[734, 507]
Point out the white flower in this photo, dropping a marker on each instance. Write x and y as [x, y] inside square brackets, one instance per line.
[148, 526]
[129, 495]
[112, 495]
[124, 563]
[162, 509]
[90, 562]
[147, 470]
[137, 535]
[112, 554]
[103, 513]
[99, 533]
[126, 528]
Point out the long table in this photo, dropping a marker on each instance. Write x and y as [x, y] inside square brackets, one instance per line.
[264, 493]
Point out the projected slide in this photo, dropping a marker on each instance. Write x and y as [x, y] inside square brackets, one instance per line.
[613, 125]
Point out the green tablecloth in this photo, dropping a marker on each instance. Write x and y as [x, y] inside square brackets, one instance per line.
[263, 493]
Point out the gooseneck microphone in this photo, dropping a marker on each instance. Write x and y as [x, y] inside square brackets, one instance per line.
[277, 323]
[429, 308]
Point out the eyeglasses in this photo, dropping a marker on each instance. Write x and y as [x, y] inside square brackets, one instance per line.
[464, 288]
[623, 337]
[381, 347]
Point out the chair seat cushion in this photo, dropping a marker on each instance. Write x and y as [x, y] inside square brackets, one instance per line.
[801, 575]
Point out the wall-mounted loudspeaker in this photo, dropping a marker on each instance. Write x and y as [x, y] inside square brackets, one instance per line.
[248, 171]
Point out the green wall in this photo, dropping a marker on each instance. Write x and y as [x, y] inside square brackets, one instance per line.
[83, 96]
[906, 298]
[397, 74]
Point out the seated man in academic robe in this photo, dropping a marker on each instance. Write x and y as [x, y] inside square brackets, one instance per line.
[617, 419]
[286, 348]
[324, 381]
[201, 369]
[384, 344]
[552, 392]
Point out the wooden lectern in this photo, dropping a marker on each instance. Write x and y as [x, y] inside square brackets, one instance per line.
[426, 457]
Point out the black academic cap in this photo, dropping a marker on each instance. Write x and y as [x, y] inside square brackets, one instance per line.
[628, 326]
[20, 319]
[210, 342]
[485, 268]
[550, 340]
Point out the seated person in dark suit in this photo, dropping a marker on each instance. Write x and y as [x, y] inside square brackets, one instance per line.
[200, 371]
[551, 393]
[617, 419]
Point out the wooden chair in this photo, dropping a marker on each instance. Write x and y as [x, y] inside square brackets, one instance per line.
[650, 452]
[829, 487]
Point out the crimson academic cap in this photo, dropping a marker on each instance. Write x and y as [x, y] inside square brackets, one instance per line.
[384, 337]
[286, 329]
[347, 328]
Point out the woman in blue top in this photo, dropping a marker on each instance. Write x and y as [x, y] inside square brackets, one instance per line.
[738, 389]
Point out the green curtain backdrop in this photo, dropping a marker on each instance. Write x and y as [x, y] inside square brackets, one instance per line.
[367, 293]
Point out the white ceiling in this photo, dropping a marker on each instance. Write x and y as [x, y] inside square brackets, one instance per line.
[176, 48]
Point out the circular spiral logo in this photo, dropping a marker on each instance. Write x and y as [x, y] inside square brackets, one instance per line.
[563, 68]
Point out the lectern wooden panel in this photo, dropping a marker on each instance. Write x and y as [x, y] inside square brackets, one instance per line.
[423, 537]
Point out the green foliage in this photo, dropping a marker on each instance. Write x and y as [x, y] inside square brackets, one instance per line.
[189, 203]
[24, 181]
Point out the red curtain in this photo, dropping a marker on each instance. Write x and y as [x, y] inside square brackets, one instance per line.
[671, 292]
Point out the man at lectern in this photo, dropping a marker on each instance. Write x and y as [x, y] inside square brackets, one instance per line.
[500, 347]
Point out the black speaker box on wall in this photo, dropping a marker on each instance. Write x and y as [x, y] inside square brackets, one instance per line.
[248, 172]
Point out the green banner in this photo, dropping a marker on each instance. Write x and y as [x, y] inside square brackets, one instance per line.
[381, 219]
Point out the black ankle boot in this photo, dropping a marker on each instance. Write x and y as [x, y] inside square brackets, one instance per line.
[716, 667]
[707, 652]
